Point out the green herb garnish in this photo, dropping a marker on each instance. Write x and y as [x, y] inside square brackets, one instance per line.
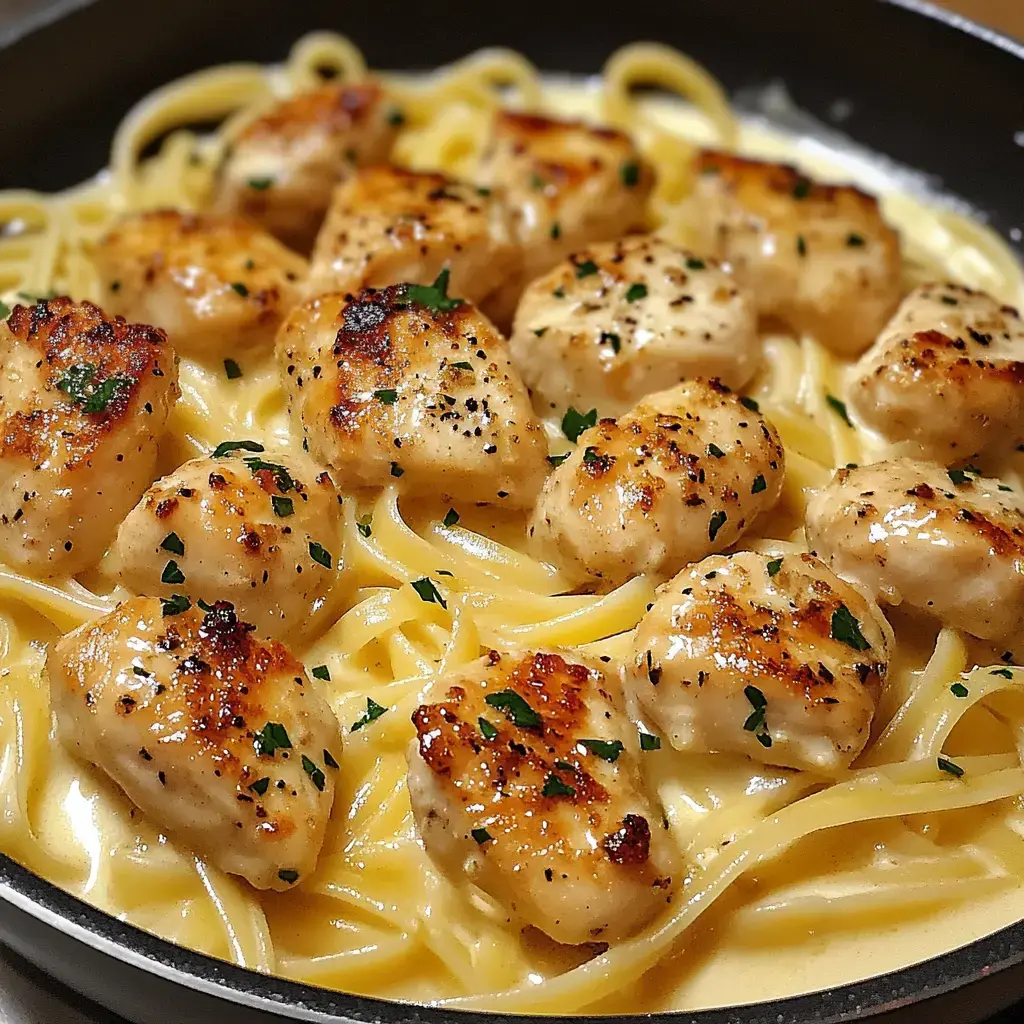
[554, 786]
[171, 573]
[315, 773]
[272, 737]
[846, 629]
[172, 542]
[283, 507]
[232, 369]
[607, 750]
[716, 522]
[428, 592]
[574, 423]
[839, 408]
[371, 714]
[320, 554]
[636, 292]
[174, 605]
[433, 296]
[451, 517]
[517, 711]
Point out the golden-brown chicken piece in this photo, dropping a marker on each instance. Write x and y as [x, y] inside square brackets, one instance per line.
[570, 183]
[683, 474]
[772, 657]
[619, 320]
[945, 379]
[219, 738]
[819, 257]
[949, 543]
[407, 385]
[83, 400]
[526, 779]
[217, 285]
[259, 529]
[281, 169]
[386, 225]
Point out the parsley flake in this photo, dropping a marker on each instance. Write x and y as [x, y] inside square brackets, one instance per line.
[574, 422]
[232, 370]
[607, 337]
[282, 477]
[320, 554]
[801, 245]
[289, 876]
[854, 241]
[517, 711]
[371, 714]
[636, 292]
[283, 507]
[839, 408]
[959, 690]
[76, 379]
[260, 184]
[715, 452]
[554, 786]
[749, 403]
[1004, 672]
[959, 476]
[315, 773]
[950, 767]
[451, 517]
[260, 786]
[171, 573]
[428, 592]
[556, 230]
[693, 263]
[481, 835]
[756, 722]
[462, 365]
[329, 759]
[759, 484]
[386, 396]
[648, 741]
[774, 566]
[586, 269]
[557, 460]
[174, 605]
[5, 310]
[846, 629]
[607, 750]
[172, 542]
[227, 447]
[434, 296]
[717, 521]
[487, 730]
[239, 289]
[396, 470]
[629, 173]
[322, 672]
[365, 526]
[272, 737]
[801, 189]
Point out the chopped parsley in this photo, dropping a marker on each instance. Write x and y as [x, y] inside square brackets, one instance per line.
[801, 189]
[556, 230]
[487, 730]
[557, 460]
[5, 310]
[239, 289]
[607, 750]
[172, 542]
[283, 507]
[365, 526]
[574, 423]
[949, 300]
[839, 408]
[396, 470]
[232, 369]
[715, 524]
[517, 711]
[320, 554]
[260, 184]
[260, 786]
[693, 263]
[612, 339]
[174, 605]
[586, 269]
[227, 447]
[451, 517]
[322, 672]
[272, 737]
[386, 396]
[959, 690]
[636, 292]
[289, 876]
[950, 767]
[481, 835]
[396, 117]
[774, 566]
[629, 173]
[433, 296]
[329, 759]
[282, 477]
[554, 786]
[536, 181]
[648, 741]
[759, 484]
[854, 241]
[428, 592]
[76, 379]
[559, 292]
[463, 365]
[171, 573]
[315, 773]
[756, 722]
[140, 671]
[371, 714]
[540, 331]
[749, 403]
[111, 389]
[715, 452]
[1004, 672]
[846, 629]
[959, 476]
[801, 245]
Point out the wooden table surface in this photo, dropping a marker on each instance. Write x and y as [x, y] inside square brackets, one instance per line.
[1005, 15]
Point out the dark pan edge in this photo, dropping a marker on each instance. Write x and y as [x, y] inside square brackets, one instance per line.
[882, 994]
[959, 23]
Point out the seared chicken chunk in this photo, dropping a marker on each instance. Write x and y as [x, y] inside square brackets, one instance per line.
[620, 320]
[775, 658]
[406, 385]
[818, 257]
[243, 528]
[217, 285]
[281, 169]
[946, 375]
[683, 474]
[946, 542]
[525, 778]
[218, 737]
[570, 184]
[386, 225]
[83, 400]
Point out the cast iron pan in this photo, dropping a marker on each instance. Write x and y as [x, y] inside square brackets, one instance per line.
[930, 90]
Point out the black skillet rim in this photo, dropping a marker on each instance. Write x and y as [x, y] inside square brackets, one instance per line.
[141, 950]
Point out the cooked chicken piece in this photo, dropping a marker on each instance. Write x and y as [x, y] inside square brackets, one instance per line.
[683, 474]
[946, 375]
[949, 543]
[251, 527]
[217, 285]
[570, 184]
[386, 225]
[772, 657]
[216, 736]
[818, 257]
[281, 169]
[525, 778]
[407, 385]
[83, 400]
[620, 320]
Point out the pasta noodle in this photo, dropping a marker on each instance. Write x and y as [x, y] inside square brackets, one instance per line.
[776, 857]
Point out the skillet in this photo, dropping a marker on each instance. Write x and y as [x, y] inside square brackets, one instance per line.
[928, 89]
